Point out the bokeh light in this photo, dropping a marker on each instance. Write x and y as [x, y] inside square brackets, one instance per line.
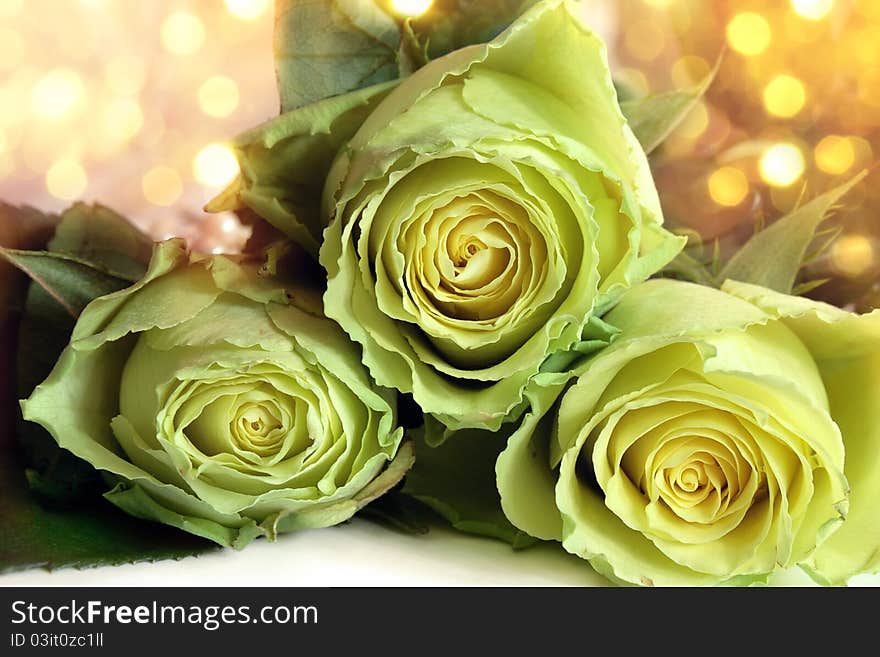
[183, 33]
[695, 123]
[58, 93]
[215, 165]
[123, 119]
[248, 10]
[835, 154]
[162, 186]
[808, 78]
[728, 186]
[411, 8]
[784, 96]
[814, 10]
[853, 255]
[66, 179]
[9, 8]
[219, 96]
[782, 165]
[749, 33]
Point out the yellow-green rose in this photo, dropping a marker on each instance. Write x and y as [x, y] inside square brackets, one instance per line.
[724, 435]
[219, 405]
[487, 209]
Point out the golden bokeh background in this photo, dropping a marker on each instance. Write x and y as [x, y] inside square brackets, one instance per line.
[793, 112]
[128, 103]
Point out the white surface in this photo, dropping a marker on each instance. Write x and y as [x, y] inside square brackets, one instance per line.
[357, 554]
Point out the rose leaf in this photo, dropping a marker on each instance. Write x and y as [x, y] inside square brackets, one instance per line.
[773, 257]
[457, 480]
[654, 117]
[328, 47]
[53, 528]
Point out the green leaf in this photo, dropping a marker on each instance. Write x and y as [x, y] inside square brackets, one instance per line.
[328, 47]
[35, 534]
[100, 236]
[457, 480]
[653, 118]
[688, 268]
[453, 24]
[400, 513]
[773, 257]
[71, 281]
[53, 473]
[67, 284]
[806, 287]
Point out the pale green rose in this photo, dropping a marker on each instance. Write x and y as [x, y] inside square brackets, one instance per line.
[487, 209]
[219, 405]
[723, 436]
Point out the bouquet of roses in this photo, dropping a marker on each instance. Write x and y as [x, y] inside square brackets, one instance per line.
[460, 295]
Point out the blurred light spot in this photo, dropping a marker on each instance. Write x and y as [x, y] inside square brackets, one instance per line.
[695, 123]
[230, 225]
[12, 49]
[835, 154]
[57, 93]
[749, 33]
[9, 8]
[645, 40]
[859, 50]
[728, 186]
[247, 10]
[782, 165]
[125, 75]
[784, 96]
[689, 70]
[182, 33]
[853, 255]
[814, 10]
[215, 165]
[217, 250]
[218, 96]
[66, 179]
[863, 150]
[123, 119]
[162, 186]
[411, 7]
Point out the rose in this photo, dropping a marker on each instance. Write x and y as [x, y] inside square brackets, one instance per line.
[486, 211]
[220, 406]
[721, 437]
